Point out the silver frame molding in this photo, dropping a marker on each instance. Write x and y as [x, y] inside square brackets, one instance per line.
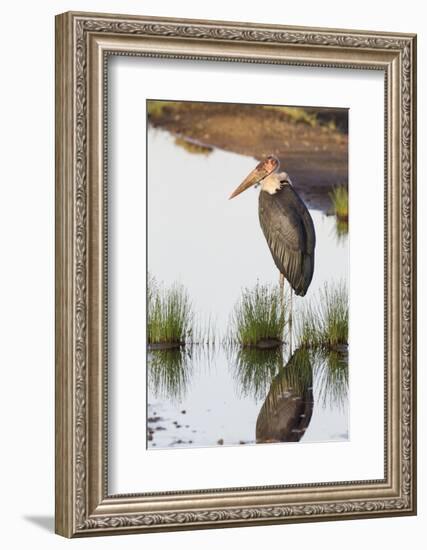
[83, 43]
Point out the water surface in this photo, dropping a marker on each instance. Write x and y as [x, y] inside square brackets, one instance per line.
[215, 247]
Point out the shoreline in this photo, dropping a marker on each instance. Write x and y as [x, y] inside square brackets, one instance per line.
[314, 153]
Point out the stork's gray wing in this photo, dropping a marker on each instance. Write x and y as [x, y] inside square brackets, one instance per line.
[289, 231]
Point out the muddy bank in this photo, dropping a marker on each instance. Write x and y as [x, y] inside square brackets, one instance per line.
[311, 145]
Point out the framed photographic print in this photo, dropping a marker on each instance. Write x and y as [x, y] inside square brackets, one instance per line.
[233, 362]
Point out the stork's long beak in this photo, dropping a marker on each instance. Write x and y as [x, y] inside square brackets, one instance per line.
[263, 169]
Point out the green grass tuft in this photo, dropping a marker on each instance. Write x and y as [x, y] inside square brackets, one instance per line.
[170, 314]
[339, 199]
[156, 108]
[295, 114]
[258, 316]
[325, 323]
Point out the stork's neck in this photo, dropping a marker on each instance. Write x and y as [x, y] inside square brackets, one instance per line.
[274, 182]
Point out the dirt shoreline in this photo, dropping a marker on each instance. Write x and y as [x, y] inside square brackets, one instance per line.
[314, 155]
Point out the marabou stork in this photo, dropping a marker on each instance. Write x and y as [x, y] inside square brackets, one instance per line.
[286, 224]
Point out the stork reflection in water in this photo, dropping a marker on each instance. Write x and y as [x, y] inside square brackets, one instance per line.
[287, 227]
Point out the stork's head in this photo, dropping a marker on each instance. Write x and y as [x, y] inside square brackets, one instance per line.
[261, 171]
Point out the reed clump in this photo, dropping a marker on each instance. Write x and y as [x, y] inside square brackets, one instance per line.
[295, 114]
[157, 108]
[258, 318]
[324, 324]
[339, 199]
[170, 314]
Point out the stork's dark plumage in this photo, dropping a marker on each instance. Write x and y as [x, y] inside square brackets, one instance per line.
[289, 231]
[286, 223]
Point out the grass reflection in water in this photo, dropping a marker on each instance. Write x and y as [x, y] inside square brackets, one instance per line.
[332, 373]
[290, 389]
[253, 369]
[170, 371]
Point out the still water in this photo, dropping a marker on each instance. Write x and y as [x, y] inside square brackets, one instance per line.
[222, 395]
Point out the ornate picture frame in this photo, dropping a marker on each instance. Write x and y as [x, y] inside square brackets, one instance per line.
[84, 42]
